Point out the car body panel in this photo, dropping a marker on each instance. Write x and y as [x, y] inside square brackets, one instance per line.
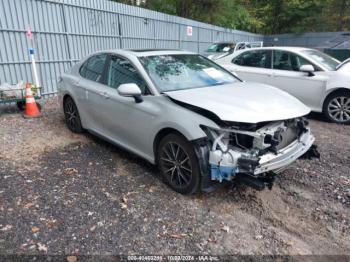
[230, 103]
[307, 89]
[344, 67]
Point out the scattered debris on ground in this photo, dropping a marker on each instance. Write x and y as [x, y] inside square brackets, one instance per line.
[63, 193]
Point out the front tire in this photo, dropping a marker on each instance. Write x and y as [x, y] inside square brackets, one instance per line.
[178, 164]
[72, 116]
[337, 107]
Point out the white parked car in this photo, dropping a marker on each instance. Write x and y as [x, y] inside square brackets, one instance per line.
[195, 120]
[316, 79]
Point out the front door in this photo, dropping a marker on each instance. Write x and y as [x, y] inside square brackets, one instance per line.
[125, 121]
[287, 76]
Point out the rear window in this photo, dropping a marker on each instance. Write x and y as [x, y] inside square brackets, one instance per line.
[259, 58]
[93, 68]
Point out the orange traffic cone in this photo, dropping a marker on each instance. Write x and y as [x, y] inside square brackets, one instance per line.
[32, 109]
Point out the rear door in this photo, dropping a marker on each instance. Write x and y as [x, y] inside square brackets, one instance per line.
[252, 65]
[287, 76]
[91, 92]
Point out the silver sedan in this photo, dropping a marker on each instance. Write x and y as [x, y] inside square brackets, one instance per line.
[199, 123]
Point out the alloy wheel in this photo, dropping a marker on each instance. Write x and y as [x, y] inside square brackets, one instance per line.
[339, 109]
[72, 117]
[176, 165]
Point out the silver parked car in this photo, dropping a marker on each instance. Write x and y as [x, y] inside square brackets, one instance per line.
[221, 49]
[199, 123]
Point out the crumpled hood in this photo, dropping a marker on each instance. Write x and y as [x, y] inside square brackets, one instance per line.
[245, 102]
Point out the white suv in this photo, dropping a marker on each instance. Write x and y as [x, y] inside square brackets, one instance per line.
[313, 77]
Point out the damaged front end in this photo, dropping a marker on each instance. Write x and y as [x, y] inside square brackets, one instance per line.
[253, 153]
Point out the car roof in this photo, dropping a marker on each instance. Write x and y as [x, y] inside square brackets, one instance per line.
[294, 49]
[285, 48]
[224, 43]
[146, 52]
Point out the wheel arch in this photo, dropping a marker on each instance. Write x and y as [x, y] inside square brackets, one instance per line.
[160, 135]
[332, 92]
[65, 96]
[69, 95]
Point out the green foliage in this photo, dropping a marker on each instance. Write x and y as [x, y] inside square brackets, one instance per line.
[260, 16]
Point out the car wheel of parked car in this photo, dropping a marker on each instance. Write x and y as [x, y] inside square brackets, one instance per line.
[337, 107]
[72, 115]
[178, 164]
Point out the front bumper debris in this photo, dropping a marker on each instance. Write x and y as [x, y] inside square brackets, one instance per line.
[286, 156]
[273, 148]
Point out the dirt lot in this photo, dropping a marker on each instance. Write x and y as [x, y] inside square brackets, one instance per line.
[62, 193]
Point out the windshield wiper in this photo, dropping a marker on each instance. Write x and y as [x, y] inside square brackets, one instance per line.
[220, 84]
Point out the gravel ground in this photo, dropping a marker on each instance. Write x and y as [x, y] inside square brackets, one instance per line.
[62, 193]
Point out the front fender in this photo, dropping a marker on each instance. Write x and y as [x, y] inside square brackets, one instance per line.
[338, 87]
[337, 81]
[182, 120]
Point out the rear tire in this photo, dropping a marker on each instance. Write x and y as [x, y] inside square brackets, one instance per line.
[72, 116]
[337, 107]
[178, 164]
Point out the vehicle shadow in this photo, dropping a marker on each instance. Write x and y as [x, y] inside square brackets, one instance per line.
[318, 117]
[9, 109]
[126, 155]
[236, 191]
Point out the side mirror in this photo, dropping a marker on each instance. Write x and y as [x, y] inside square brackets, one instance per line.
[130, 90]
[307, 69]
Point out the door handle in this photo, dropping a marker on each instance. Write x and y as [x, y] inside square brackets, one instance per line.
[104, 94]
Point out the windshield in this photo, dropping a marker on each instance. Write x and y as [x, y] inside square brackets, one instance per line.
[327, 61]
[220, 48]
[178, 72]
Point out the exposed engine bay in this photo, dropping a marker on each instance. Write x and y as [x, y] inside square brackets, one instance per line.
[256, 149]
[250, 153]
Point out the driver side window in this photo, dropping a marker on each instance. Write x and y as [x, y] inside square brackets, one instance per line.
[283, 60]
[121, 71]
